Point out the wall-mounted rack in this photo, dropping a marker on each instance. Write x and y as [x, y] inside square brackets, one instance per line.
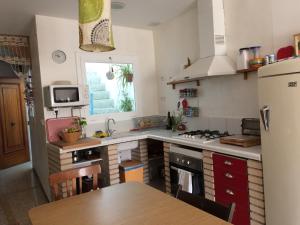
[188, 93]
[245, 72]
[191, 112]
[174, 83]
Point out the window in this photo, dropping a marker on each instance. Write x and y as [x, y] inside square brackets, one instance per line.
[111, 87]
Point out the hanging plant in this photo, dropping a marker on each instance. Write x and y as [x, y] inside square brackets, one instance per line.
[127, 73]
[126, 103]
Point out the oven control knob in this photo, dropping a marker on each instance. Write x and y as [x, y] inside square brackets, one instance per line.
[188, 162]
[182, 161]
[177, 159]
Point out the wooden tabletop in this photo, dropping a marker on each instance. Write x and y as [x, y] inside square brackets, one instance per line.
[123, 204]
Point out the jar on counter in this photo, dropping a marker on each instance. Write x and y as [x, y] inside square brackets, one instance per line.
[255, 52]
[243, 59]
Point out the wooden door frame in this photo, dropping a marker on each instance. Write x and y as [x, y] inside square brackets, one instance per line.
[21, 83]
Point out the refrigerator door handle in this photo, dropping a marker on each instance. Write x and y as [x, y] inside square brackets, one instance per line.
[265, 116]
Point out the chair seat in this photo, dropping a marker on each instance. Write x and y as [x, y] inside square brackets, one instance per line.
[70, 176]
[211, 207]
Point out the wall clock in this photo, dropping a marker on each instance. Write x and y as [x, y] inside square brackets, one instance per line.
[59, 56]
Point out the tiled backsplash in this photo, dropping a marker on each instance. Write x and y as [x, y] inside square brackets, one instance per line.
[232, 125]
[120, 126]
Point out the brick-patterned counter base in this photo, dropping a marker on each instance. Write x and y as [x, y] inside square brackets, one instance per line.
[167, 167]
[208, 175]
[141, 154]
[58, 162]
[113, 165]
[256, 192]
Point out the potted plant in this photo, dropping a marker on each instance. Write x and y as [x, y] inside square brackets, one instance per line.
[126, 104]
[127, 73]
[82, 123]
[70, 135]
[177, 122]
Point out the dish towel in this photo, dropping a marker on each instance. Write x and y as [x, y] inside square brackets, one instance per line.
[185, 180]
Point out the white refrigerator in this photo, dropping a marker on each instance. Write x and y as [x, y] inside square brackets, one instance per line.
[279, 102]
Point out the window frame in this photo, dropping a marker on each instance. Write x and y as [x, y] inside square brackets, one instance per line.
[83, 58]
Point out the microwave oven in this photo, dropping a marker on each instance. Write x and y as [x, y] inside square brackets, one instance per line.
[66, 96]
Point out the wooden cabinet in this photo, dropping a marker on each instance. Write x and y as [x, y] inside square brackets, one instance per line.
[231, 185]
[13, 132]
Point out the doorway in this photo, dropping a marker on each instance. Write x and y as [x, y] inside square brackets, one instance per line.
[13, 125]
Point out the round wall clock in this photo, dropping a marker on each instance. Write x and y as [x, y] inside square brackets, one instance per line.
[59, 56]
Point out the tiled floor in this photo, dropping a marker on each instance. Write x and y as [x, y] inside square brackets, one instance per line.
[19, 191]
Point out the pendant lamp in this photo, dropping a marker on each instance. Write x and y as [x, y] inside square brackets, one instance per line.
[95, 27]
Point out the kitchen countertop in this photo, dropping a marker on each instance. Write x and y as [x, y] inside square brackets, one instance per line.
[169, 136]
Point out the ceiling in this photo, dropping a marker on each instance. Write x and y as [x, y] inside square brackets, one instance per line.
[16, 15]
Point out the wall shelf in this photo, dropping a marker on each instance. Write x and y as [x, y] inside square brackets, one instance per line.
[174, 83]
[245, 72]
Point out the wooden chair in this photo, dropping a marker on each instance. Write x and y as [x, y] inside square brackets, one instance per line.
[65, 177]
[214, 208]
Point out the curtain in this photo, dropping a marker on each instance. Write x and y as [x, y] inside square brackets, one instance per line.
[15, 51]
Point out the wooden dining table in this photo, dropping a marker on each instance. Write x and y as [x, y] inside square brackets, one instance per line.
[122, 204]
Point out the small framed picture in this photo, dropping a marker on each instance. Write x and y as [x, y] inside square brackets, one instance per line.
[297, 44]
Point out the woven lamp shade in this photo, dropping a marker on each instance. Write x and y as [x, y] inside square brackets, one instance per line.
[95, 27]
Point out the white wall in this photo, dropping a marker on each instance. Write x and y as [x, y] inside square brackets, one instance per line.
[223, 101]
[285, 17]
[50, 34]
[38, 135]
[57, 33]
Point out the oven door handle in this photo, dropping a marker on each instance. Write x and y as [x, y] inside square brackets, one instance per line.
[174, 168]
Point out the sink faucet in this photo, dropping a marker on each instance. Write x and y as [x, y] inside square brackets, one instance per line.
[108, 130]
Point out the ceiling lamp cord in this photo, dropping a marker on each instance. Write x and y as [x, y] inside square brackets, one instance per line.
[95, 27]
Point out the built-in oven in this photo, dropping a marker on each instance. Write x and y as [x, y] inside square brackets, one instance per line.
[188, 161]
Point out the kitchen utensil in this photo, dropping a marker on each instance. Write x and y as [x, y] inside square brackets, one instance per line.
[110, 74]
[184, 104]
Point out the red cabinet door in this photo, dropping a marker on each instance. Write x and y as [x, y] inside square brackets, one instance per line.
[230, 178]
[231, 186]
[230, 163]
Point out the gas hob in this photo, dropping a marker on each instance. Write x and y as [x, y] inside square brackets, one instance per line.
[202, 136]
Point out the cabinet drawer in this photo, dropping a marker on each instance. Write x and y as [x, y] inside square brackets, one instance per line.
[227, 195]
[231, 179]
[242, 211]
[230, 163]
[241, 218]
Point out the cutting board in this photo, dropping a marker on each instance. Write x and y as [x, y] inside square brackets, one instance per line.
[241, 140]
[86, 142]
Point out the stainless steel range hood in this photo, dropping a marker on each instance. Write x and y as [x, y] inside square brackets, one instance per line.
[213, 60]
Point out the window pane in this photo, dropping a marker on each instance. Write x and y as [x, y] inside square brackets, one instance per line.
[111, 88]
